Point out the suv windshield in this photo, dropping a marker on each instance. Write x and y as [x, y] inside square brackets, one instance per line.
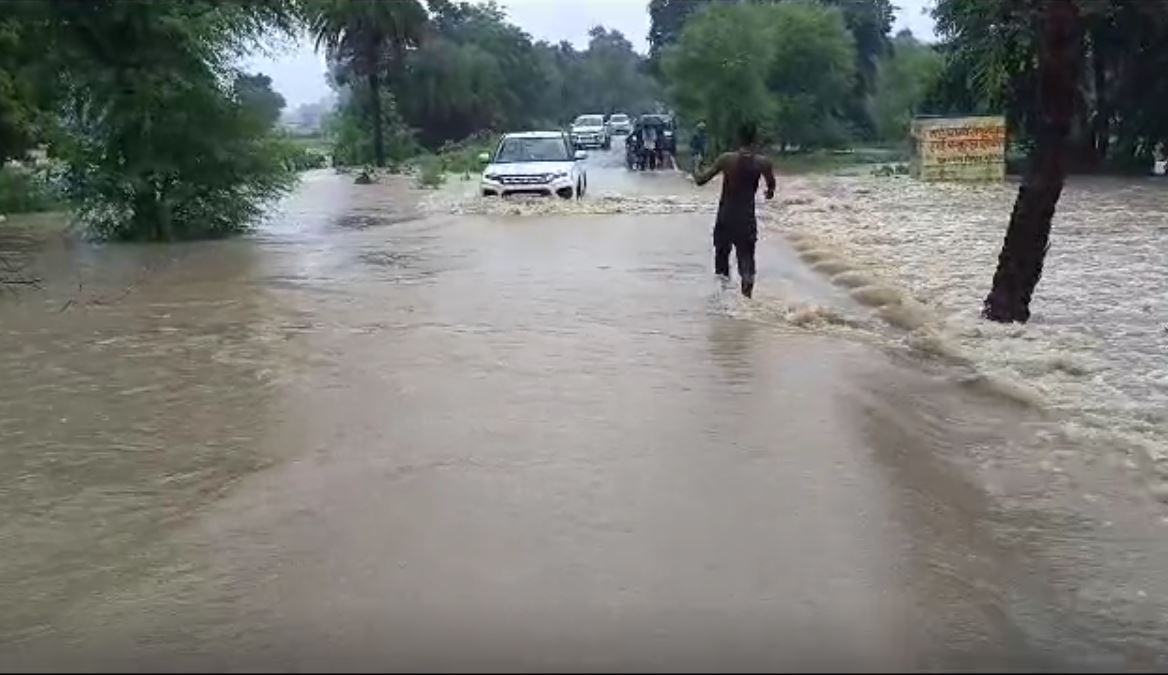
[548, 149]
[619, 118]
[589, 121]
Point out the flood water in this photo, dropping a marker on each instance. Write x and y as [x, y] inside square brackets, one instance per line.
[404, 431]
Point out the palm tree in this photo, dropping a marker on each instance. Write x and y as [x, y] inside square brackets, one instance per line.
[1028, 236]
[358, 32]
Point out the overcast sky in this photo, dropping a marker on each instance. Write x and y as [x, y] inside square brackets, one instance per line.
[298, 73]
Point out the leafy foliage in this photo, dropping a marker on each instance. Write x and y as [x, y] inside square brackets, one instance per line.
[16, 111]
[431, 173]
[350, 134]
[26, 79]
[255, 94]
[868, 21]
[25, 191]
[903, 80]
[159, 146]
[990, 49]
[474, 71]
[719, 67]
[362, 38]
[786, 66]
[811, 73]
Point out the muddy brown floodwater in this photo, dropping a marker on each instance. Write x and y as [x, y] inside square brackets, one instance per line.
[384, 433]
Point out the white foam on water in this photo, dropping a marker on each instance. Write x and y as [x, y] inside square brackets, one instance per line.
[922, 255]
[458, 202]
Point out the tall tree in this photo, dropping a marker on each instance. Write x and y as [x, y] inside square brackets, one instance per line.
[718, 69]
[158, 145]
[1027, 238]
[360, 34]
[1121, 108]
[25, 82]
[666, 20]
[905, 76]
[256, 95]
[812, 73]
[787, 66]
[869, 22]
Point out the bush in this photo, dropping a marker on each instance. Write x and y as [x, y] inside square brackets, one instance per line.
[431, 173]
[27, 191]
[296, 157]
[352, 136]
[463, 156]
[208, 171]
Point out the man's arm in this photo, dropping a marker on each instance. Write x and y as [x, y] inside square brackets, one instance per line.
[707, 175]
[768, 174]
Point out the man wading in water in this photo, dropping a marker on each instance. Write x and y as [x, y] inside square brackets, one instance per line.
[736, 225]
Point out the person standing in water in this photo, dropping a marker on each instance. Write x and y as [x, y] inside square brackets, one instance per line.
[697, 148]
[736, 226]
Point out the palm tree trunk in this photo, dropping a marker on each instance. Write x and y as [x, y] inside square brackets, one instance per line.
[375, 108]
[1027, 238]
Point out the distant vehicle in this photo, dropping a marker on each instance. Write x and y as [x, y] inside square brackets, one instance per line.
[668, 127]
[590, 131]
[535, 162]
[620, 123]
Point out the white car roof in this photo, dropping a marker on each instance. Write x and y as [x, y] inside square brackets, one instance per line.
[535, 134]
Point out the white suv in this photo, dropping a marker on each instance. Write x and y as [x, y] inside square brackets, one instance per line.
[535, 162]
[590, 131]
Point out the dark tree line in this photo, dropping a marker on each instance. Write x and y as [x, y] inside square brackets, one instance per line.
[467, 69]
[1120, 106]
[1084, 84]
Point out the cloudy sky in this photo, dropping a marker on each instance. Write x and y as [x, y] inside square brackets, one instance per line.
[298, 73]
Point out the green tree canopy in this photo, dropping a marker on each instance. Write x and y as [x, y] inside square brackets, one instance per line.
[868, 21]
[476, 71]
[718, 69]
[904, 78]
[990, 49]
[158, 146]
[787, 66]
[363, 38]
[255, 94]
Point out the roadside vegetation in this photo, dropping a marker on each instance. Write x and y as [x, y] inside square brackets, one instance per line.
[152, 131]
[29, 190]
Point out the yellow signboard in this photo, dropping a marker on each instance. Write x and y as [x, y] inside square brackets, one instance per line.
[959, 148]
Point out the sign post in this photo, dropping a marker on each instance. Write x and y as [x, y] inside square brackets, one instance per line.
[959, 148]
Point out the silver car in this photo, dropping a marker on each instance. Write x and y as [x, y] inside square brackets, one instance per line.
[620, 123]
[590, 131]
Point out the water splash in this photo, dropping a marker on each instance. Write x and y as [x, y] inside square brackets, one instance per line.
[922, 255]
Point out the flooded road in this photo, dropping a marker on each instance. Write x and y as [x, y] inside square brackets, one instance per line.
[438, 433]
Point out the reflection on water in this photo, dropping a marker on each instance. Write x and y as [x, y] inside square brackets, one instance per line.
[366, 436]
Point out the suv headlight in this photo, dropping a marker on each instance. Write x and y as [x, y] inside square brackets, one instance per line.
[491, 176]
[559, 174]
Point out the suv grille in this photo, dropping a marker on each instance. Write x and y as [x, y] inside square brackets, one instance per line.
[523, 180]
